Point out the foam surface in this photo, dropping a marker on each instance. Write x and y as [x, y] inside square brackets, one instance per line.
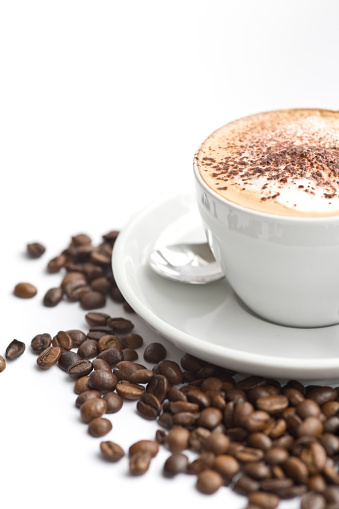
[283, 162]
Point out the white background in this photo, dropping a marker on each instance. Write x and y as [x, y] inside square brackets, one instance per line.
[103, 104]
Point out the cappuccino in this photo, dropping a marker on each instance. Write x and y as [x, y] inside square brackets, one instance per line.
[283, 162]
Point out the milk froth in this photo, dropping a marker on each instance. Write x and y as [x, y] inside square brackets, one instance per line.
[283, 162]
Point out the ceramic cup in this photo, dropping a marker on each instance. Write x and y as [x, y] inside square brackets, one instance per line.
[285, 269]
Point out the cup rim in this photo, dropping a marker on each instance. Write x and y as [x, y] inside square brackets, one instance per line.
[246, 210]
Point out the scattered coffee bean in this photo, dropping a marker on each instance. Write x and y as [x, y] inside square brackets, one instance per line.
[49, 357]
[92, 408]
[80, 368]
[88, 349]
[171, 370]
[53, 296]
[129, 354]
[114, 402]
[132, 340]
[63, 340]
[102, 380]
[150, 446]
[139, 463]
[101, 364]
[15, 349]
[77, 336]
[99, 426]
[35, 249]
[175, 464]
[25, 290]
[264, 500]
[68, 358]
[40, 342]
[2, 364]
[209, 481]
[95, 318]
[92, 300]
[112, 356]
[81, 385]
[111, 451]
[120, 325]
[85, 396]
[154, 353]
[130, 391]
[149, 406]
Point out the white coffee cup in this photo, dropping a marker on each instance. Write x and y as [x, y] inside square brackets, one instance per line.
[284, 268]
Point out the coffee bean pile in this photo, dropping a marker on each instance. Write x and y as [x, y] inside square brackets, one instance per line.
[86, 269]
[265, 440]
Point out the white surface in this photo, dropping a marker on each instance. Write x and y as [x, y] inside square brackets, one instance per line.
[102, 107]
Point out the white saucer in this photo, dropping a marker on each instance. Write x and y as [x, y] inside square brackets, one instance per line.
[208, 321]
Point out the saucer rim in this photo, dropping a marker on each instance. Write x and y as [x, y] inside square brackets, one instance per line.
[249, 362]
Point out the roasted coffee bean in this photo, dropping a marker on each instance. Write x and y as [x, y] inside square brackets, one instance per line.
[294, 396]
[331, 425]
[211, 383]
[314, 456]
[111, 451]
[110, 341]
[210, 418]
[127, 307]
[40, 342]
[80, 368]
[66, 359]
[55, 264]
[99, 426]
[103, 381]
[95, 318]
[92, 408]
[76, 290]
[251, 382]
[191, 363]
[245, 485]
[158, 386]
[81, 239]
[52, 297]
[116, 295]
[81, 385]
[100, 258]
[70, 277]
[198, 437]
[273, 404]
[2, 364]
[216, 442]
[276, 485]
[177, 439]
[264, 500]
[125, 369]
[120, 325]
[296, 469]
[321, 394]
[185, 419]
[35, 249]
[139, 463]
[150, 446]
[245, 454]
[259, 440]
[317, 483]
[175, 464]
[199, 397]
[114, 402]
[88, 349]
[49, 357]
[63, 340]
[100, 328]
[101, 364]
[86, 396]
[111, 356]
[209, 481]
[308, 408]
[130, 354]
[92, 300]
[275, 456]
[15, 349]
[311, 426]
[330, 442]
[149, 406]
[96, 334]
[165, 420]
[182, 406]
[226, 465]
[171, 370]
[25, 290]
[129, 390]
[77, 336]
[101, 284]
[203, 462]
[111, 236]
[142, 376]
[258, 470]
[154, 353]
[330, 408]
[313, 501]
